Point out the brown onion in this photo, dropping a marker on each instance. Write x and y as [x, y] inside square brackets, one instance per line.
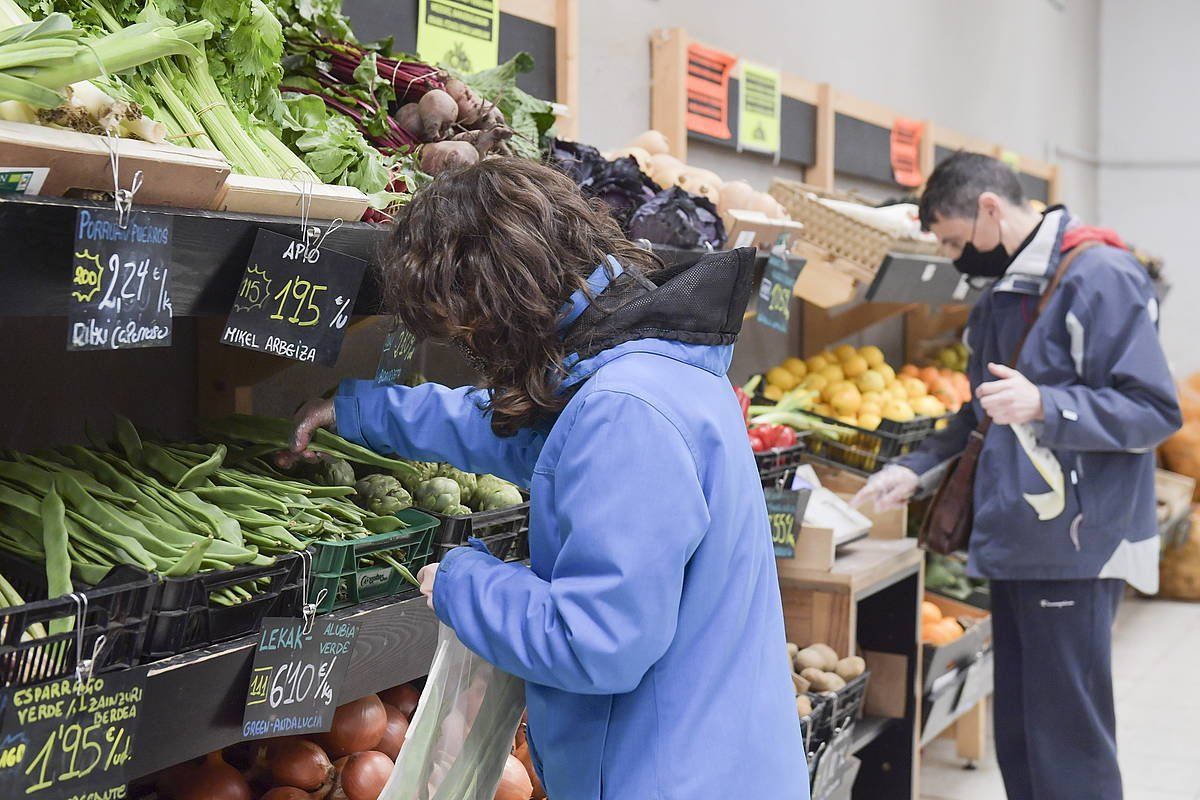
[362, 776]
[299, 763]
[214, 780]
[526, 758]
[393, 735]
[289, 793]
[404, 697]
[514, 782]
[357, 726]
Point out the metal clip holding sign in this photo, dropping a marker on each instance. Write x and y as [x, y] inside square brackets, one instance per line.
[122, 198]
[311, 235]
[308, 610]
[84, 666]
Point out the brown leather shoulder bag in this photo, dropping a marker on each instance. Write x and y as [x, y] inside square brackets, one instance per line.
[947, 526]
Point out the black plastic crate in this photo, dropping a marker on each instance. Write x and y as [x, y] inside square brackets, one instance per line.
[845, 706]
[870, 451]
[779, 461]
[186, 618]
[505, 531]
[822, 710]
[117, 608]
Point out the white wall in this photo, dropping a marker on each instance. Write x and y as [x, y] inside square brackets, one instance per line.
[1020, 73]
[1149, 70]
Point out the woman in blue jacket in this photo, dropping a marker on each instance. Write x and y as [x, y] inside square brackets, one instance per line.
[649, 630]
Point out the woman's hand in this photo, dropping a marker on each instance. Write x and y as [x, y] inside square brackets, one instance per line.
[426, 577]
[312, 415]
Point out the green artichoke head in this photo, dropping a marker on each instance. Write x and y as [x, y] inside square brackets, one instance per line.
[335, 472]
[457, 511]
[382, 495]
[421, 472]
[466, 480]
[505, 496]
[438, 494]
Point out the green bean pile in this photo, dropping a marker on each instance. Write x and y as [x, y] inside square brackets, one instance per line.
[174, 509]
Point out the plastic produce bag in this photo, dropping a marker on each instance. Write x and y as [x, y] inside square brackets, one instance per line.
[462, 732]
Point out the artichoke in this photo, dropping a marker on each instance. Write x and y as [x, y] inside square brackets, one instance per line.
[497, 497]
[457, 511]
[438, 495]
[466, 481]
[335, 472]
[422, 471]
[382, 495]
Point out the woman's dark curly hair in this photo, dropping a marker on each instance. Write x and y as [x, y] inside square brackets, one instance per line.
[485, 257]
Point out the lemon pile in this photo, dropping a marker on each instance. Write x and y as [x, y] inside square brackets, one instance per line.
[855, 386]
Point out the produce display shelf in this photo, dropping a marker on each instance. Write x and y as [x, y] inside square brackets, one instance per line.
[208, 256]
[193, 702]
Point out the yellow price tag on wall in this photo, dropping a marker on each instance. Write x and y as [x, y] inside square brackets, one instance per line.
[759, 109]
[461, 34]
[1011, 158]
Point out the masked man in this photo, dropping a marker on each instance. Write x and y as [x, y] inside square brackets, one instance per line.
[1064, 492]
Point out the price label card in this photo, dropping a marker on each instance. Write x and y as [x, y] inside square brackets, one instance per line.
[775, 291]
[296, 677]
[294, 301]
[785, 510]
[759, 109]
[398, 349]
[120, 281]
[461, 34]
[63, 740]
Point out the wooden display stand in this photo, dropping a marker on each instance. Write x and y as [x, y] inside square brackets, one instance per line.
[870, 601]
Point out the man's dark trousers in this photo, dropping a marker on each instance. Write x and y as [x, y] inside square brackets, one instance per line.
[1055, 723]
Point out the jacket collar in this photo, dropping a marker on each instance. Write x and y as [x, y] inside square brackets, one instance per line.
[712, 358]
[1035, 263]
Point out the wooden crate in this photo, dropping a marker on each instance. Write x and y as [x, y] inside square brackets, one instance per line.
[283, 198]
[180, 177]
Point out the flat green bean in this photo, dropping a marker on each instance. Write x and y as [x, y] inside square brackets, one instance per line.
[58, 560]
[197, 475]
[190, 563]
[129, 440]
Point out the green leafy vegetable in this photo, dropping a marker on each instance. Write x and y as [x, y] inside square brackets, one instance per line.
[530, 117]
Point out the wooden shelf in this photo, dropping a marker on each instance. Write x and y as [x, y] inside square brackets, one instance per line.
[193, 702]
[862, 568]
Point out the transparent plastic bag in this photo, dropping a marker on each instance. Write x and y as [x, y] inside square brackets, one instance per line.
[462, 732]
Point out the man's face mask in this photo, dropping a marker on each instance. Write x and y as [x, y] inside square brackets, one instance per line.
[991, 264]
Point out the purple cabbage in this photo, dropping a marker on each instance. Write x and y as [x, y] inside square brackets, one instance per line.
[678, 219]
[620, 184]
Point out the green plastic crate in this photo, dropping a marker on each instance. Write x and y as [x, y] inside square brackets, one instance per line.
[346, 582]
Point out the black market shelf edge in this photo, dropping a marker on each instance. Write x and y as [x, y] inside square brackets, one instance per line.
[207, 259]
[194, 702]
[209, 253]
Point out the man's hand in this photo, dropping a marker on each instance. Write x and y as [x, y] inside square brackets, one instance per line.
[890, 488]
[426, 577]
[312, 415]
[1011, 400]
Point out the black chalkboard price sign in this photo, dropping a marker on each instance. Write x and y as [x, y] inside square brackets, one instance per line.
[120, 294]
[296, 677]
[294, 299]
[785, 510]
[775, 292]
[397, 353]
[61, 739]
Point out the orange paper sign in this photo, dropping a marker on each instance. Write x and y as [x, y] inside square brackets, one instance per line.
[708, 91]
[906, 151]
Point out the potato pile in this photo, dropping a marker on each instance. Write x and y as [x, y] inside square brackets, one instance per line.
[857, 386]
[652, 152]
[817, 669]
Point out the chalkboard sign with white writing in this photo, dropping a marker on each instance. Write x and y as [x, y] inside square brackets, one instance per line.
[296, 677]
[775, 292]
[64, 739]
[294, 300]
[120, 281]
[397, 353]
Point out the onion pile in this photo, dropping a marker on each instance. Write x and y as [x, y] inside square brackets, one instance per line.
[212, 780]
[357, 726]
[393, 735]
[362, 776]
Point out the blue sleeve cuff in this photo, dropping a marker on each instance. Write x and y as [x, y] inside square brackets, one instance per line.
[1049, 428]
[347, 419]
[457, 562]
